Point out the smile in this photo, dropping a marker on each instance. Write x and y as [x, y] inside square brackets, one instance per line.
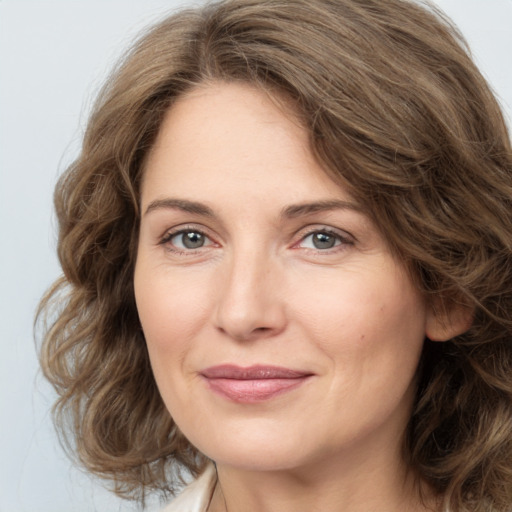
[253, 384]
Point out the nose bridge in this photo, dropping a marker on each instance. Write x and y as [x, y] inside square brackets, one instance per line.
[249, 303]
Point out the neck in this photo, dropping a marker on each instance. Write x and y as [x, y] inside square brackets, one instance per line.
[352, 485]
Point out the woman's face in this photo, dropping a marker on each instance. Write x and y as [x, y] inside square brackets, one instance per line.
[280, 328]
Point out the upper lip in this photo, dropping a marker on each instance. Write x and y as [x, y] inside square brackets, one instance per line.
[256, 372]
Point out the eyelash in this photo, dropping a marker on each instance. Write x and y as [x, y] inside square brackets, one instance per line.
[341, 241]
[166, 240]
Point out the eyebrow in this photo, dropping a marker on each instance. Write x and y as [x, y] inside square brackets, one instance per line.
[180, 204]
[298, 210]
[290, 212]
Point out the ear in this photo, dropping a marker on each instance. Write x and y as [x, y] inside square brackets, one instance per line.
[444, 323]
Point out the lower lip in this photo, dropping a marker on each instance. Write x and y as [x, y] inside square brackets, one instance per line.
[253, 391]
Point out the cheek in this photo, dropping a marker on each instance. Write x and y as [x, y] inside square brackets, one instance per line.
[365, 320]
[172, 310]
[371, 329]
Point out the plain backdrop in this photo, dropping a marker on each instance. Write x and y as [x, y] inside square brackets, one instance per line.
[53, 57]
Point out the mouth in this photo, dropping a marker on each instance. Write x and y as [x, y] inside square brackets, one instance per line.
[252, 384]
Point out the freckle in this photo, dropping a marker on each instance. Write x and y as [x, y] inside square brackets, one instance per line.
[362, 337]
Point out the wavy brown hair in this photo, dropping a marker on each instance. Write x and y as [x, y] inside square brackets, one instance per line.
[397, 111]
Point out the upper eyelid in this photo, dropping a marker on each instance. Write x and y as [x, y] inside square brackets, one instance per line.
[169, 233]
[345, 239]
[319, 228]
[296, 237]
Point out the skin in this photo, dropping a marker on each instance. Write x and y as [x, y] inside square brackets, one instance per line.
[258, 291]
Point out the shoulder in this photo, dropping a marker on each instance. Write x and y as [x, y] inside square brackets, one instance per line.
[196, 496]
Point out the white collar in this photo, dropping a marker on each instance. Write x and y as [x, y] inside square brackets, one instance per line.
[197, 495]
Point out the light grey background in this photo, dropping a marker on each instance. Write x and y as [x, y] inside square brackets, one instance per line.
[53, 57]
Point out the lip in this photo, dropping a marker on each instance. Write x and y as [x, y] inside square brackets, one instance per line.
[252, 384]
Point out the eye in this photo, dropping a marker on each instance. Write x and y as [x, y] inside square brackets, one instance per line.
[323, 240]
[187, 239]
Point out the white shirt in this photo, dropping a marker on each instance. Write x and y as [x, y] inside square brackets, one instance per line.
[197, 495]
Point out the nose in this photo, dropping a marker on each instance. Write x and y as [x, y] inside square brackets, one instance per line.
[251, 302]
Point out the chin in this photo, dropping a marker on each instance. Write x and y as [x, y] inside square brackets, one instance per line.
[257, 450]
[268, 460]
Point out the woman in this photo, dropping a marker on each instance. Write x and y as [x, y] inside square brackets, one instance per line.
[287, 267]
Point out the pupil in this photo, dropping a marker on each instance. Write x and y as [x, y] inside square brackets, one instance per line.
[193, 240]
[323, 241]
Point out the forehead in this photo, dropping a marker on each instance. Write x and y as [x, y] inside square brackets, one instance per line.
[233, 133]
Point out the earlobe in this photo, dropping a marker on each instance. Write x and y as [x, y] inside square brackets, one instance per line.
[446, 324]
